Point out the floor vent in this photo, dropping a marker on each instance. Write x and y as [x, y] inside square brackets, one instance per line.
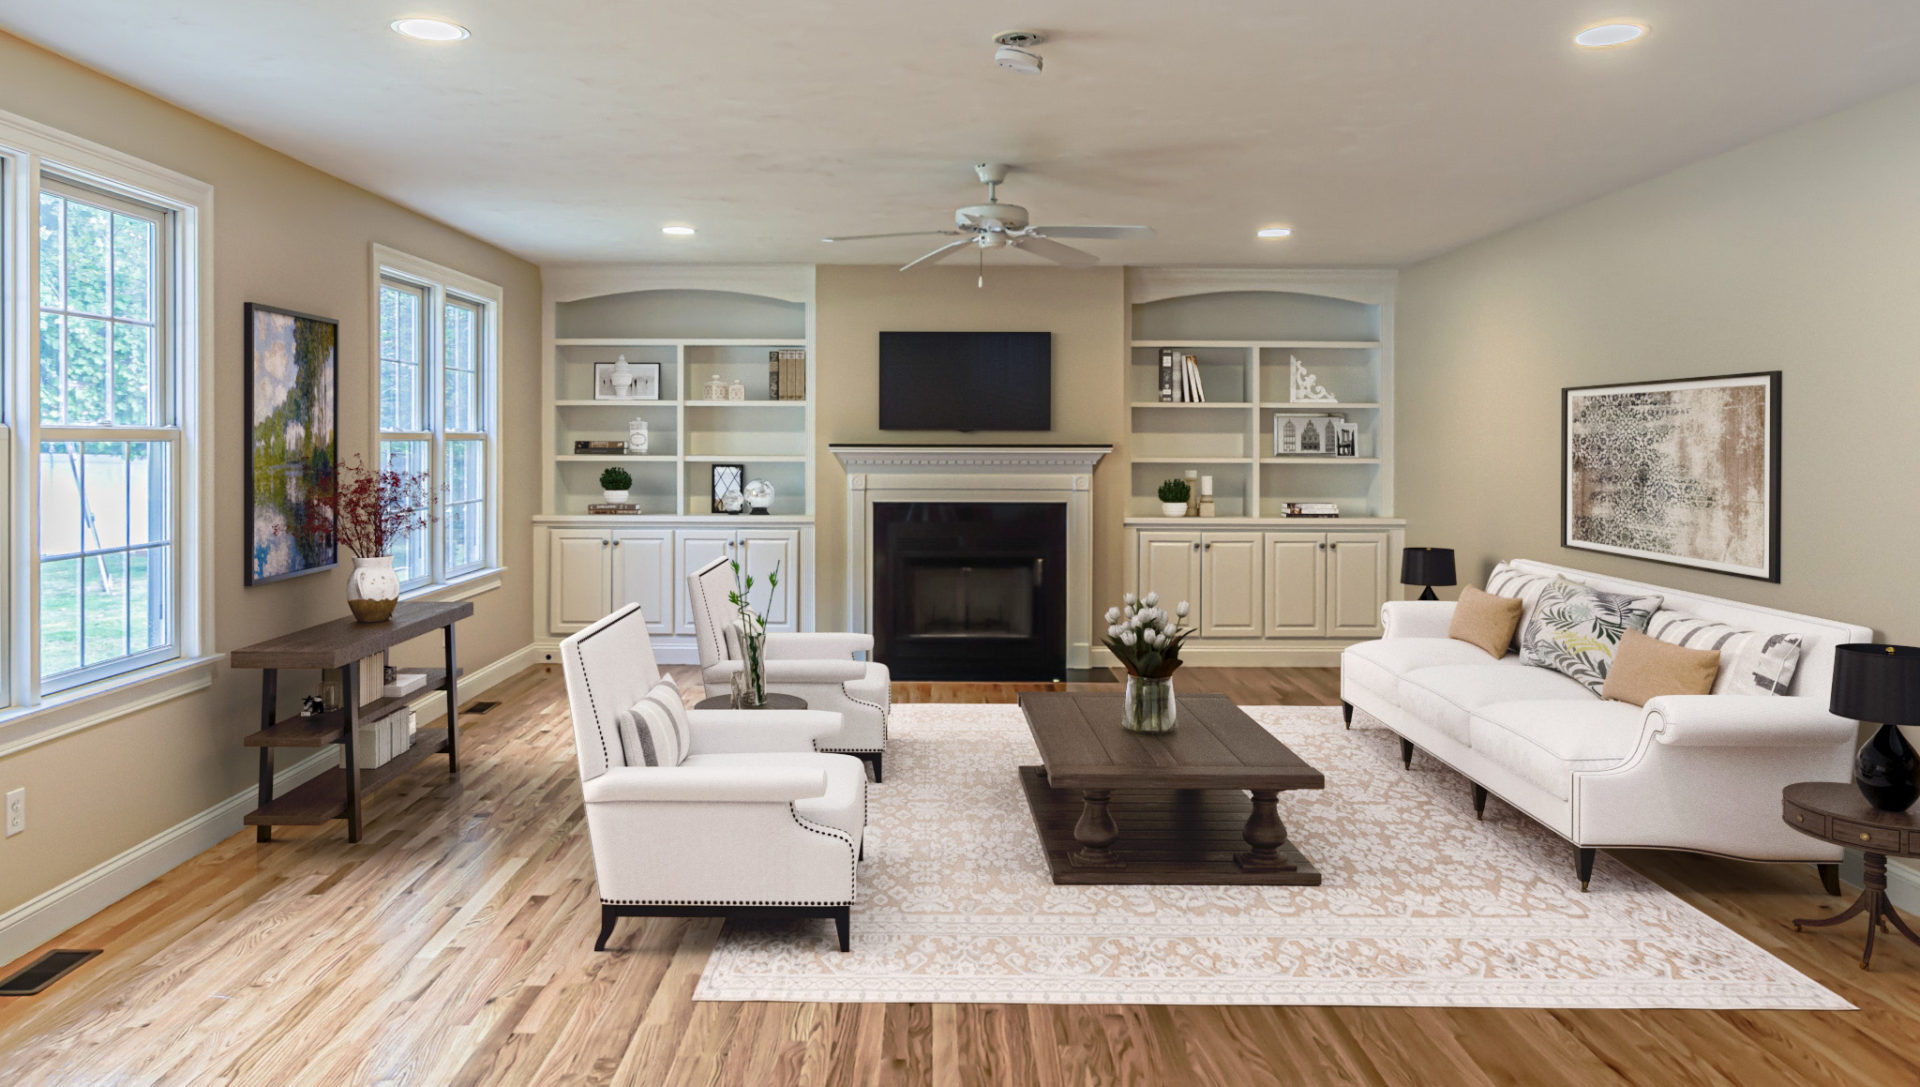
[480, 707]
[43, 972]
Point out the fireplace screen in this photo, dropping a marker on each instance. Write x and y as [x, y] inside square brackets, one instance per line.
[950, 600]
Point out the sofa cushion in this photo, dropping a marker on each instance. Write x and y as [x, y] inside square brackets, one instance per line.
[1574, 630]
[1751, 661]
[1485, 620]
[1445, 697]
[1546, 742]
[1510, 580]
[843, 806]
[1646, 668]
[1378, 665]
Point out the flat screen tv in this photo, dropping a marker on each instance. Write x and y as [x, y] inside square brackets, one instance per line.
[966, 381]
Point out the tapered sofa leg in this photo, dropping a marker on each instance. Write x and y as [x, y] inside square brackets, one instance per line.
[1830, 878]
[1479, 801]
[879, 758]
[843, 924]
[608, 917]
[1346, 712]
[1586, 867]
[1406, 753]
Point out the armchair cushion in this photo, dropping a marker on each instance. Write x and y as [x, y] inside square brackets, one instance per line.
[789, 672]
[841, 802]
[821, 645]
[710, 779]
[717, 731]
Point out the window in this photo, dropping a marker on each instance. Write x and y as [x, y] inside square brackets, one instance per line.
[438, 363]
[101, 402]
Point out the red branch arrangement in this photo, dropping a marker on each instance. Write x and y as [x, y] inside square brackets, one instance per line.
[376, 507]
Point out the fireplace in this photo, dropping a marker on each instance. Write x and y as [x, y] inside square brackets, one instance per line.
[970, 590]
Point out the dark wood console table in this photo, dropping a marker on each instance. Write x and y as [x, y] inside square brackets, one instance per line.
[1835, 812]
[342, 644]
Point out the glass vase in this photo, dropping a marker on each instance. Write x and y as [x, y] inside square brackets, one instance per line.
[1148, 705]
[750, 682]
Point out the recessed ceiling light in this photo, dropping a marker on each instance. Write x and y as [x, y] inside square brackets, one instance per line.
[1274, 232]
[677, 231]
[1607, 34]
[429, 30]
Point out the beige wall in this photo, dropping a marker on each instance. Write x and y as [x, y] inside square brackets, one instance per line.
[1086, 311]
[288, 235]
[1799, 253]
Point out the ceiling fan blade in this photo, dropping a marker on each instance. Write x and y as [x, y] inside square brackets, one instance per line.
[1054, 251]
[941, 253]
[901, 234]
[1113, 232]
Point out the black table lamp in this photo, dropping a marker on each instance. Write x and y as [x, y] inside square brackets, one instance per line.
[1881, 683]
[1427, 566]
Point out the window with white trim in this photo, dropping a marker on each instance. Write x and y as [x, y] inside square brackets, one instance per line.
[437, 343]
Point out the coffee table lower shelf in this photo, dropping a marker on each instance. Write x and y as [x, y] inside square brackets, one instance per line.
[1167, 836]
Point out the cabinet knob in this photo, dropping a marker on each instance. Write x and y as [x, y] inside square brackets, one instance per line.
[1209, 545]
[1196, 545]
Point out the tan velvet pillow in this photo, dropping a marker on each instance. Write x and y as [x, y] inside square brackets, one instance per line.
[1646, 667]
[1485, 620]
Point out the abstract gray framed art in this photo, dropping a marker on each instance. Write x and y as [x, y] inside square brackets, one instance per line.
[1684, 472]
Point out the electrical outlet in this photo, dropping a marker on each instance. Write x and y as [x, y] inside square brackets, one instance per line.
[16, 811]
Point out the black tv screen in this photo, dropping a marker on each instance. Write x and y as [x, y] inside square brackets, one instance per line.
[966, 381]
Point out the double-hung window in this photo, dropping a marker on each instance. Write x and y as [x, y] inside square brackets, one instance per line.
[437, 344]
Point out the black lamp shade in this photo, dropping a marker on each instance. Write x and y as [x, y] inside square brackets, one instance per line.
[1878, 683]
[1426, 566]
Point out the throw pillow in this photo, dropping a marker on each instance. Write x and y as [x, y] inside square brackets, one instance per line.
[1751, 661]
[1510, 580]
[1485, 620]
[653, 731]
[1646, 668]
[1574, 630]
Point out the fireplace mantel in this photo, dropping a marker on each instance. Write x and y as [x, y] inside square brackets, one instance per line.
[974, 473]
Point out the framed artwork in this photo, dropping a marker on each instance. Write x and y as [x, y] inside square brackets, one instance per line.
[1684, 472]
[1304, 434]
[728, 478]
[293, 447]
[646, 381]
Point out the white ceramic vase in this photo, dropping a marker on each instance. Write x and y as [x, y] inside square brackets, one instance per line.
[615, 496]
[1173, 509]
[373, 589]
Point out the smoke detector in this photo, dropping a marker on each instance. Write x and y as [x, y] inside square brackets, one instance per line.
[1015, 52]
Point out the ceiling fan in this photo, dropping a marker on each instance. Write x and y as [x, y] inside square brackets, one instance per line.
[994, 225]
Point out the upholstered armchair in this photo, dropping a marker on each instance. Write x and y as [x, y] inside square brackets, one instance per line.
[740, 817]
[818, 667]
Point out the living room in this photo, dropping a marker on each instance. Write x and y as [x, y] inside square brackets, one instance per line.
[1473, 297]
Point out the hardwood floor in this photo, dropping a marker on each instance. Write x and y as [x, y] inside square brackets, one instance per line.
[454, 945]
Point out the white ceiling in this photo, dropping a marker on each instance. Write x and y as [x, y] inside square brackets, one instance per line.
[1383, 131]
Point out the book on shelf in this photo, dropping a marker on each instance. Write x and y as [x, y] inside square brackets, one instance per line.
[1196, 392]
[1166, 375]
[773, 375]
[613, 507]
[787, 374]
[599, 446]
[1313, 509]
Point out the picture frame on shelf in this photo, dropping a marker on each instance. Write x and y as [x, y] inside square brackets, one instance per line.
[1305, 434]
[1346, 439]
[729, 480]
[646, 381]
[293, 443]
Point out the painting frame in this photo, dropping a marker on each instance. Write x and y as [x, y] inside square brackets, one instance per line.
[260, 319]
[1767, 487]
[719, 477]
[646, 376]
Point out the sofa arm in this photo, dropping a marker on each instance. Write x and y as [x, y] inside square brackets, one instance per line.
[706, 784]
[790, 671]
[717, 731]
[1708, 720]
[817, 645]
[1416, 618]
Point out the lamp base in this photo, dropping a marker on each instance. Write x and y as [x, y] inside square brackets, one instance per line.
[1885, 769]
[1428, 594]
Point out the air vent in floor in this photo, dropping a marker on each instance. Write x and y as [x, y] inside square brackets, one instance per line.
[43, 971]
[480, 707]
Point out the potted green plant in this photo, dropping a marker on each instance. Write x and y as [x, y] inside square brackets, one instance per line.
[1146, 639]
[750, 682]
[1173, 497]
[614, 484]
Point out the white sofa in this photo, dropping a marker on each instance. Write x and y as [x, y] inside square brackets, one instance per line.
[1692, 772]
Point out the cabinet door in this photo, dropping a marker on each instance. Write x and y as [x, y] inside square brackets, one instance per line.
[698, 546]
[643, 575]
[576, 579]
[758, 552]
[1356, 583]
[1229, 585]
[1170, 566]
[1296, 584]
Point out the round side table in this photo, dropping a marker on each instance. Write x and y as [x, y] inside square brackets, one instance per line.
[1836, 812]
[774, 702]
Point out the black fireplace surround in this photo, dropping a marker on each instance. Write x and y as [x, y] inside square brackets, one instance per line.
[970, 590]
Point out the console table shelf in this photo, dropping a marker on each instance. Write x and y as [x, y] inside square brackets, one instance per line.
[342, 644]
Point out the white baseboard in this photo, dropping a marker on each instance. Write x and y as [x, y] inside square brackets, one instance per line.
[58, 909]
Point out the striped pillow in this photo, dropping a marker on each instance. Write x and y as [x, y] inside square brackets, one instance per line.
[1751, 661]
[653, 731]
[1510, 581]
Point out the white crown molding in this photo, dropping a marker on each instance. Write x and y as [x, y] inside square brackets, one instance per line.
[570, 282]
[1372, 286]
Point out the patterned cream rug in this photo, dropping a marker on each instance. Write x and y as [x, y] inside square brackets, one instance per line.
[1421, 905]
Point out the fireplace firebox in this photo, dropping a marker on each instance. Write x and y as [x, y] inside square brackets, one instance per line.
[970, 590]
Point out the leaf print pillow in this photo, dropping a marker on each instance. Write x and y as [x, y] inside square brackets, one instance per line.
[1575, 630]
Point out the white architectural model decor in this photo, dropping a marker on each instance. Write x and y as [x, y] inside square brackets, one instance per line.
[1306, 387]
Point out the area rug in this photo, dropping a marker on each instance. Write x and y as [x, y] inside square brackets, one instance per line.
[1420, 905]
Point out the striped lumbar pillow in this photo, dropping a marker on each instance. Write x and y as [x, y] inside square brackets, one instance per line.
[653, 731]
[1751, 661]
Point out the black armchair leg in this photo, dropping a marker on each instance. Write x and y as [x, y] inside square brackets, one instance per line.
[843, 924]
[608, 916]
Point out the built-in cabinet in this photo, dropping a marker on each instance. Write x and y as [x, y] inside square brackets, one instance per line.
[1275, 592]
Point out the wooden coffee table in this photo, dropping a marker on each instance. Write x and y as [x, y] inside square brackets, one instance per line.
[1114, 806]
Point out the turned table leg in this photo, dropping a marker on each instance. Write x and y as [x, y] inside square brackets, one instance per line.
[1265, 833]
[1873, 902]
[1095, 832]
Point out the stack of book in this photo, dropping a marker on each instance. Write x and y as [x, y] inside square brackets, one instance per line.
[1313, 509]
[787, 374]
[1180, 378]
[599, 447]
[613, 507]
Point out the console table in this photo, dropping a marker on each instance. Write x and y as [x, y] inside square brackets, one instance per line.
[342, 644]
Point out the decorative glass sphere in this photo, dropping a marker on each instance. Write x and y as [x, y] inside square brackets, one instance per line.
[759, 495]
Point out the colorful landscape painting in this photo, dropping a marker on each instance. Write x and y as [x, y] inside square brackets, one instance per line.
[292, 446]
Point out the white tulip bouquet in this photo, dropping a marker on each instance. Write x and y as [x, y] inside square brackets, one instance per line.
[1145, 636]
